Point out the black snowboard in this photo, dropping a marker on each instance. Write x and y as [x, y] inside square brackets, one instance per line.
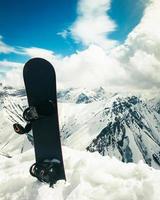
[40, 83]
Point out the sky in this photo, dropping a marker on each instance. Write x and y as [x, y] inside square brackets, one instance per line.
[109, 43]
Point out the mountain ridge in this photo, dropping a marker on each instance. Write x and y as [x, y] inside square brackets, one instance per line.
[123, 125]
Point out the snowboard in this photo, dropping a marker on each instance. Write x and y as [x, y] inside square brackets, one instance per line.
[40, 84]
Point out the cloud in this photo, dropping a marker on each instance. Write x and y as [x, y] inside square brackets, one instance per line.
[93, 24]
[132, 65]
[81, 69]
[4, 48]
[38, 52]
[140, 54]
[14, 78]
[84, 69]
[63, 33]
[6, 64]
[11, 73]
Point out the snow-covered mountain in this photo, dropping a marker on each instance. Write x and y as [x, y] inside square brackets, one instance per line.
[131, 132]
[124, 125]
[78, 95]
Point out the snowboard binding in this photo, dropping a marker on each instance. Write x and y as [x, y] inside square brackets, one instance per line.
[30, 114]
[46, 171]
[39, 111]
[19, 129]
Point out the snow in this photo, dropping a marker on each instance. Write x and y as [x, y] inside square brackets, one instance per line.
[89, 177]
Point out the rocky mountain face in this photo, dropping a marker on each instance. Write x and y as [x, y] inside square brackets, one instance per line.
[126, 126]
[155, 103]
[133, 129]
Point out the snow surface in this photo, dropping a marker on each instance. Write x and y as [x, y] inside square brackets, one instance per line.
[89, 177]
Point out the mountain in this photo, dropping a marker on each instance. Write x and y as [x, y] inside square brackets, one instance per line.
[78, 95]
[124, 125]
[155, 103]
[132, 132]
[99, 126]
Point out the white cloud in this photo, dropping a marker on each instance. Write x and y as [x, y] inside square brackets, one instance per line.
[89, 68]
[93, 24]
[12, 73]
[14, 78]
[5, 63]
[4, 48]
[38, 52]
[63, 33]
[140, 54]
[134, 64]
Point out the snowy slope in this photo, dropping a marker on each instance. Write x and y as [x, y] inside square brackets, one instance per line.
[90, 176]
[122, 125]
[119, 124]
[155, 103]
[12, 104]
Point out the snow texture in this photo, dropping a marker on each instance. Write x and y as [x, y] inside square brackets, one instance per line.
[90, 176]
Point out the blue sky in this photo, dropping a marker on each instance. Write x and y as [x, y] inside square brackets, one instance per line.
[36, 23]
[110, 43]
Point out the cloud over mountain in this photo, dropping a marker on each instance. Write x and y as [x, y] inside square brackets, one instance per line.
[133, 64]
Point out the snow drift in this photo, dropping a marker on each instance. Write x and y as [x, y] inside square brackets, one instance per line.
[89, 176]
